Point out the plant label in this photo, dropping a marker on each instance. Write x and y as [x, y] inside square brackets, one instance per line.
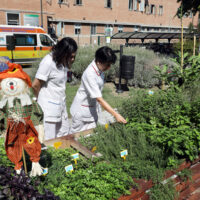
[45, 171]
[75, 156]
[124, 153]
[69, 168]
[150, 92]
[94, 149]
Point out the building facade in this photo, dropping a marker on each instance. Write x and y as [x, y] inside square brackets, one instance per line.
[89, 21]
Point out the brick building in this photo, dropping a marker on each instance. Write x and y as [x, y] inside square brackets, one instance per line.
[85, 20]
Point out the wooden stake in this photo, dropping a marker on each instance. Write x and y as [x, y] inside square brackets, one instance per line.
[181, 41]
[194, 45]
[24, 160]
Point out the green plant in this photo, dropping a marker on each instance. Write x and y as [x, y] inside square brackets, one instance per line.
[4, 161]
[190, 71]
[144, 160]
[144, 64]
[185, 174]
[89, 180]
[163, 74]
[163, 192]
[155, 108]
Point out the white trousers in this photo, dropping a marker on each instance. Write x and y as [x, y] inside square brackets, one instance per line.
[56, 129]
[78, 125]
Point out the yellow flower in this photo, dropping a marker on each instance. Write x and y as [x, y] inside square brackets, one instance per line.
[57, 145]
[30, 140]
[106, 126]
[94, 149]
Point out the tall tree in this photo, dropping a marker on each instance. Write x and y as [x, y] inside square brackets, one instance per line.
[189, 5]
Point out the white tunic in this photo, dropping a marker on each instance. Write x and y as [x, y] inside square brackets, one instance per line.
[52, 98]
[85, 106]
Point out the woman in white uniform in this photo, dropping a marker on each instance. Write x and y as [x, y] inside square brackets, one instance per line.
[86, 104]
[50, 84]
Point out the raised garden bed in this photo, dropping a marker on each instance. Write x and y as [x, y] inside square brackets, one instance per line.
[185, 188]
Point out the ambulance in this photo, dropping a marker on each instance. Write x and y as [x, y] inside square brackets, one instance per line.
[24, 44]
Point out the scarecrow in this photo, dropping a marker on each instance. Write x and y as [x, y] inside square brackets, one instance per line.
[17, 106]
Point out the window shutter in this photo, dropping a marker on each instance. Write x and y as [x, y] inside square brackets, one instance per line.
[142, 5]
[135, 5]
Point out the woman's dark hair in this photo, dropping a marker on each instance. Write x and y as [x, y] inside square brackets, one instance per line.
[105, 55]
[63, 50]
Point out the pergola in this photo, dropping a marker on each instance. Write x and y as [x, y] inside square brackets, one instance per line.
[152, 35]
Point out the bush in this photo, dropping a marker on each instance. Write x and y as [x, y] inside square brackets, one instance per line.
[148, 108]
[188, 47]
[144, 64]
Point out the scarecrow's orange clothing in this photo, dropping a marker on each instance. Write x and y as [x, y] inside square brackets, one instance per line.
[22, 135]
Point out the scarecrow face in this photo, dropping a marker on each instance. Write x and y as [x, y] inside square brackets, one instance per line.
[13, 86]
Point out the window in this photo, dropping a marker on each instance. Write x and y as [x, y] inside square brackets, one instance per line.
[77, 29]
[152, 9]
[147, 9]
[78, 2]
[160, 11]
[45, 40]
[130, 5]
[136, 28]
[190, 14]
[108, 3]
[93, 29]
[142, 5]
[13, 19]
[135, 5]
[63, 2]
[25, 40]
[120, 29]
[108, 30]
[60, 1]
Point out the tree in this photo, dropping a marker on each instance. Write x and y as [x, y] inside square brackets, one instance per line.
[189, 5]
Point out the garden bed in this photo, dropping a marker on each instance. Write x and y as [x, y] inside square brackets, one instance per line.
[185, 187]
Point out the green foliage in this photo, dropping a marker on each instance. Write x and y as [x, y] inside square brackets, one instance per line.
[84, 57]
[4, 161]
[169, 120]
[103, 181]
[181, 142]
[190, 71]
[188, 47]
[163, 192]
[164, 75]
[174, 75]
[89, 180]
[154, 108]
[144, 64]
[188, 6]
[144, 160]
[185, 174]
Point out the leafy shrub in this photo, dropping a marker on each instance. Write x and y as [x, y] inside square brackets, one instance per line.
[163, 191]
[156, 108]
[179, 142]
[144, 160]
[145, 60]
[188, 46]
[89, 180]
[144, 64]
